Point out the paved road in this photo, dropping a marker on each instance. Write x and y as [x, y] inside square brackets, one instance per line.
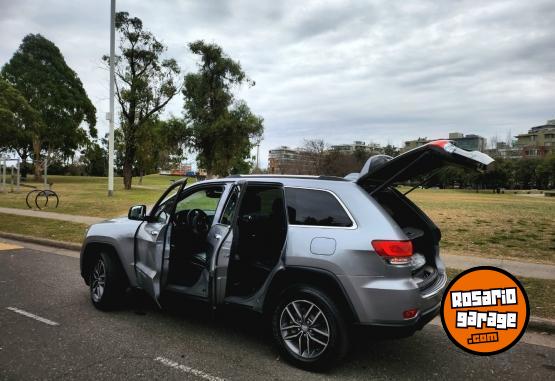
[184, 342]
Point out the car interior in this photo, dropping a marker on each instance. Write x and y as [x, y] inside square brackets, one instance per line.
[259, 237]
[194, 214]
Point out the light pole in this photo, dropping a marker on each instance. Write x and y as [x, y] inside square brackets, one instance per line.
[111, 116]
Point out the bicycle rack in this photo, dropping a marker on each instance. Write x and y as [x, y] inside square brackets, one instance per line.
[46, 193]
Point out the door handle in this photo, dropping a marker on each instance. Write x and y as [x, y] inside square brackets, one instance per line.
[217, 236]
[154, 232]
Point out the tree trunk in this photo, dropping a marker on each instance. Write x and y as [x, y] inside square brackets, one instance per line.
[36, 158]
[127, 174]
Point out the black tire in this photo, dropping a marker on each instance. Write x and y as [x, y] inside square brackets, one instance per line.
[114, 278]
[317, 358]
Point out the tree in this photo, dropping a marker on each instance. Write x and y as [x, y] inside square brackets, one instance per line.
[39, 72]
[145, 83]
[18, 120]
[223, 129]
[161, 144]
[95, 160]
[316, 151]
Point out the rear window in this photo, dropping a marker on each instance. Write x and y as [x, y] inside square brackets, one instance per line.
[315, 207]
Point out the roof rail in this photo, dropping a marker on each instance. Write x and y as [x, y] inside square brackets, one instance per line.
[307, 177]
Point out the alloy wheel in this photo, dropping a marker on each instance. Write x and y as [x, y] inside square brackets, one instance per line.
[98, 280]
[304, 329]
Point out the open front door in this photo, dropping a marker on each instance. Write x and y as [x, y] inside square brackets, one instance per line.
[152, 241]
[220, 239]
[150, 244]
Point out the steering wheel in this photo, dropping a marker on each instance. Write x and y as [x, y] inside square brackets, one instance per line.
[198, 221]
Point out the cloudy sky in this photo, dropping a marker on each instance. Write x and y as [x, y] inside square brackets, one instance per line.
[379, 71]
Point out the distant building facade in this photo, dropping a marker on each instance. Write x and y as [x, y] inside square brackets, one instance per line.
[504, 151]
[538, 142]
[470, 142]
[411, 144]
[292, 161]
[356, 146]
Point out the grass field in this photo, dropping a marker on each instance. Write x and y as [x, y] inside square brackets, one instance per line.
[87, 196]
[42, 228]
[483, 224]
[492, 225]
[539, 291]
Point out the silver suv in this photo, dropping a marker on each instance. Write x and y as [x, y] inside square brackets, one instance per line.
[316, 254]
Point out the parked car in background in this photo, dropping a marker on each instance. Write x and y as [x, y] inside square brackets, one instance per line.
[317, 254]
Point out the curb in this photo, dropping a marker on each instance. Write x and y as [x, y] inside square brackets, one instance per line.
[42, 241]
[541, 324]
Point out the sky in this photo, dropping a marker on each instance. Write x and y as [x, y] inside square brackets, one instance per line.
[377, 71]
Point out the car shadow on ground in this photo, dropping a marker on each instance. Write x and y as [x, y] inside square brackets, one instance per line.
[370, 348]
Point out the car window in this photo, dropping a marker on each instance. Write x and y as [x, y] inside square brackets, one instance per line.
[162, 214]
[206, 199]
[315, 207]
[261, 201]
[230, 207]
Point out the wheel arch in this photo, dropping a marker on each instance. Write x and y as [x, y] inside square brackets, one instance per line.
[91, 252]
[319, 278]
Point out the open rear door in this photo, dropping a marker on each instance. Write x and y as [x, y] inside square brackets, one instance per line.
[418, 162]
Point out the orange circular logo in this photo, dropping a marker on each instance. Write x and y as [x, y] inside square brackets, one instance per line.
[485, 310]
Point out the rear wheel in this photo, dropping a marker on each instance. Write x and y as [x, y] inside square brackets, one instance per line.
[309, 328]
[106, 282]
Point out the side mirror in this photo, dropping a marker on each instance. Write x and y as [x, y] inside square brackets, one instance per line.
[137, 212]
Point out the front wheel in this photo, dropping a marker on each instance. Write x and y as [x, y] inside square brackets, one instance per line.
[309, 328]
[106, 282]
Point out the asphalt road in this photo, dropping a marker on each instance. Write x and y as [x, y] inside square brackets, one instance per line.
[185, 342]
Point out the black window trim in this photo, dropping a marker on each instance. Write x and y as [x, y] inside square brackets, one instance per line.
[353, 221]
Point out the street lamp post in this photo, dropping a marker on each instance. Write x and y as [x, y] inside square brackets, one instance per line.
[111, 115]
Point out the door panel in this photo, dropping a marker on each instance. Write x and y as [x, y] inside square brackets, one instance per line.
[152, 241]
[219, 240]
[150, 244]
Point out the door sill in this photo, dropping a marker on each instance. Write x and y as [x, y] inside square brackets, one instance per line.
[191, 291]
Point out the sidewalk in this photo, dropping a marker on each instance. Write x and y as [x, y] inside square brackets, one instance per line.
[525, 269]
[52, 215]
[460, 262]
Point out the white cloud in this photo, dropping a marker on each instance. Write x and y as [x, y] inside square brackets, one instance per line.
[341, 70]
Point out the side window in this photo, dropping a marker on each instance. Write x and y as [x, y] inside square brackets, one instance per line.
[262, 201]
[163, 212]
[315, 207]
[227, 215]
[205, 199]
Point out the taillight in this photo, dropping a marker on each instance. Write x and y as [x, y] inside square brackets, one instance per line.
[394, 252]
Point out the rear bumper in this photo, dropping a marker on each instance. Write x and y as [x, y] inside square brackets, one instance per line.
[381, 302]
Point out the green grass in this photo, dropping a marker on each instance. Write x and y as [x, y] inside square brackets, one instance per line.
[539, 291]
[87, 196]
[42, 228]
[492, 225]
[481, 224]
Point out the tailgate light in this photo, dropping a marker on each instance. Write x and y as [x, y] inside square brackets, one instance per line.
[394, 252]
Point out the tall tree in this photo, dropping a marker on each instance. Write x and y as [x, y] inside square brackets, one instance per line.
[223, 129]
[18, 121]
[145, 83]
[38, 70]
